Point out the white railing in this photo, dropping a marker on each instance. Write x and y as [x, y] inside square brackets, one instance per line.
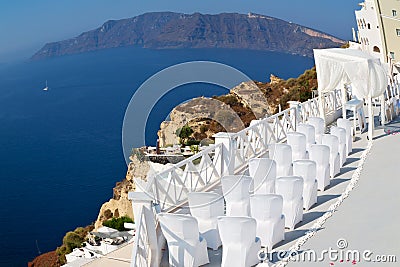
[392, 100]
[169, 188]
[308, 109]
[333, 101]
[141, 248]
[230, 155]
[253, 141]
[146, 250]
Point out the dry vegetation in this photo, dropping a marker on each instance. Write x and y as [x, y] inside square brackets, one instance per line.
[277, 92]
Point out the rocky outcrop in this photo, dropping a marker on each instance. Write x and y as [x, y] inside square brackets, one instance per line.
[120, 205]
[167, 30]
[250, 95]
[198, 109]
[274, 79]
[138, 172]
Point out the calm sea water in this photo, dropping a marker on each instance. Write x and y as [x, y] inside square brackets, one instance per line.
[60, 151]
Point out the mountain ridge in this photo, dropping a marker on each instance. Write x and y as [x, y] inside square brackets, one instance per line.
[169, 30]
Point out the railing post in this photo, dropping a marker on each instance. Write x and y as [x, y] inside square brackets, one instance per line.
[321, 105]
[139, 200]
[344, 100]
[226, 161]
[294, 113]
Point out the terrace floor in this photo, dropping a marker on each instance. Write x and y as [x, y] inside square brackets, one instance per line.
[368, 219]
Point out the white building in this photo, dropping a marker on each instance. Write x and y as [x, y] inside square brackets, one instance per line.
[378, 23]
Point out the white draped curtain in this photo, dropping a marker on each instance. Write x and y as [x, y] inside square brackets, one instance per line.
[337, 66]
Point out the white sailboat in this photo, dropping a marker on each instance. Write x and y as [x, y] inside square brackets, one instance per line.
[46, 88]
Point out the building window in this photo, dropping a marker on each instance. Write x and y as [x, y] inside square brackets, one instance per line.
[392, 55]
[394, 13]
[398, 32]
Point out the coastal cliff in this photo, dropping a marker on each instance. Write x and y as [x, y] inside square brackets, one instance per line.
[168, 30]
[276, 92]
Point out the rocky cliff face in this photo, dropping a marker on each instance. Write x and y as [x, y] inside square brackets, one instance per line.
[120, 205]
[164, 30]
[244, 99]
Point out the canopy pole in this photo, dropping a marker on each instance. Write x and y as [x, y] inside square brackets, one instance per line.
[344, 100]
[321, 106]
[383, 110]
[370, 118]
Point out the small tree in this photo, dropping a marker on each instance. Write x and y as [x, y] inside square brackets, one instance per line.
[184, 133]
[118, 223]
[72, 240]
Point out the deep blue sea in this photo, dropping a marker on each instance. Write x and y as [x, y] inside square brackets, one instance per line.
[60, 150]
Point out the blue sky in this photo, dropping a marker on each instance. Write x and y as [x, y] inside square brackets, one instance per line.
[26, 25]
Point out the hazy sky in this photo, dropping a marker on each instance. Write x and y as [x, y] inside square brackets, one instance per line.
[26, 25]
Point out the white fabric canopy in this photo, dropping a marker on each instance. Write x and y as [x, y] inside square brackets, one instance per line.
[336, 66]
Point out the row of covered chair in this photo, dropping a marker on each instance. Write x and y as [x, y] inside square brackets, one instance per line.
[189, 236]
[311, 142]
[254, 210]
[260, 217]
[264, 174]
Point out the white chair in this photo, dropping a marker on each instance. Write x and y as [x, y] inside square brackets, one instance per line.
[282, 154]
[334, 158]
[263, 172]
[307, 169]
[321, 155]
[267, 210]
[186, 247]
[347, 125]
[309, 131]
[291, 189]
[319, 125]
[206, 207]
[298, 143]
[240, 246]
[340, 133]
[236, 190]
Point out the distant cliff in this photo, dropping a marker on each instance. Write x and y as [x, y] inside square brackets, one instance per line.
[167, 30]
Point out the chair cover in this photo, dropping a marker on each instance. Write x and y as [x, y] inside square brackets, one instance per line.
[236, 190]
[206, 207]
[309, 131]
[307, 169]
[291, 189]
[240, 246]
[267, 210]
[298, 143]
[346, 124]
[340, 133]
[334, 158]
[263, 172]
[186, 247]
[319, 125]
[282, 154]
[321, 155]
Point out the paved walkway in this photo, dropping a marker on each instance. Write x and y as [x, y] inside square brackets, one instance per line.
[369, 219]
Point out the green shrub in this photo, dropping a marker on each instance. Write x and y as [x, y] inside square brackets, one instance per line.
[184, 133]
[72, 240]
[118, 223]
